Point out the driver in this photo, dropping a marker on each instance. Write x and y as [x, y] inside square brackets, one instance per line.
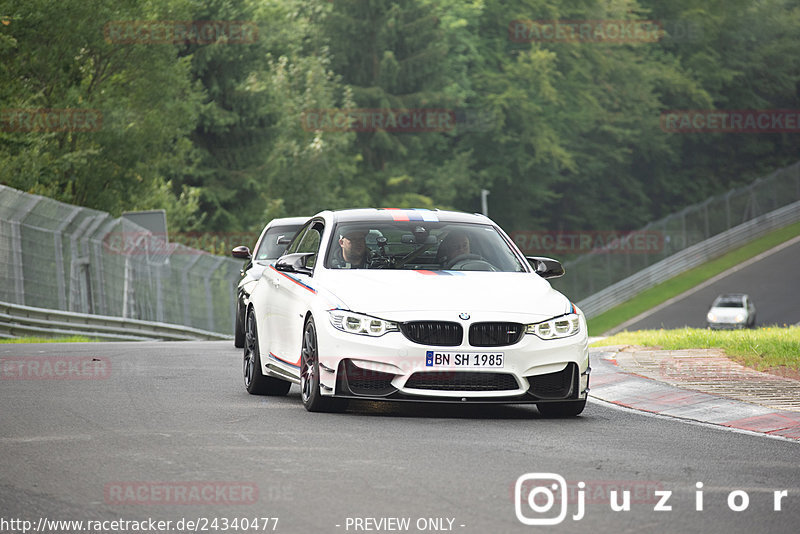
[455, 244]
[352, 251]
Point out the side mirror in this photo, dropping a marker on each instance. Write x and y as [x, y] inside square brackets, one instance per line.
[546, 267]
[241, 252]
[295, 263]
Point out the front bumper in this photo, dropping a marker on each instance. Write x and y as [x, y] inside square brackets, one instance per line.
[391, 367]
[357, 383]
[726, 326]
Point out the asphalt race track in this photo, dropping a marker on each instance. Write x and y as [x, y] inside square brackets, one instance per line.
[163, 417]
[773, 283]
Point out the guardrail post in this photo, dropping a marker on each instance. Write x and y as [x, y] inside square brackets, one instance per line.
[16, 248]
[127, 296]
[58, 236]
[97, 220]
[728, 209]
[159, 293]
[99, 254]
[797, 179]
[750, 204]
[76, 263]
[209, 298]
[683, 230]
[187, 318]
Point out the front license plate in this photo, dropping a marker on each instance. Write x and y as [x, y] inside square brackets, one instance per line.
[464, 359]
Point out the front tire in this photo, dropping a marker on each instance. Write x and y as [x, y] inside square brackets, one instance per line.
[254, 380]
[238, 329]
[309, 375]
[556, 410]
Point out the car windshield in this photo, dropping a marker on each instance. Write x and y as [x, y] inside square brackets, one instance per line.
[420, 246]
[729, 302]
[269, 249]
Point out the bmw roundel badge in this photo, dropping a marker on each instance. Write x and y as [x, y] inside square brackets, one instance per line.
[464, 316]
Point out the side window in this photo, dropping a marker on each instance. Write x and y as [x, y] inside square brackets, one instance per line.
[310, 243]
[298, 238]
[269, 249]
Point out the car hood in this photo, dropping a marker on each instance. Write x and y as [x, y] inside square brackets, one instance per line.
[402, 293]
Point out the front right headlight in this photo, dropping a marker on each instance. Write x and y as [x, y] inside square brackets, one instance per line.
[711, 317]
[556, 328]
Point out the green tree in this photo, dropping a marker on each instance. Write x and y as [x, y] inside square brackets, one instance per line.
[55, 56]
[571, 119]
[257, 161]
[743, 55]
[401, 56]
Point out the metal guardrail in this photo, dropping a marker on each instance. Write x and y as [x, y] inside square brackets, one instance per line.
[80, 260]
[688, 258]
[18, 321]
[601, 268]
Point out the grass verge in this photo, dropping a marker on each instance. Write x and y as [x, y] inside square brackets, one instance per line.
[70, 339]
[763, 349]
[684, 282]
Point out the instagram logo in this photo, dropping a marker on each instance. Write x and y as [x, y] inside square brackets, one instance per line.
[541, 491]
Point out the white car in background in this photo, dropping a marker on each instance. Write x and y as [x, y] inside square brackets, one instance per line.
[730, 311]
[412, 323]
[270, 246]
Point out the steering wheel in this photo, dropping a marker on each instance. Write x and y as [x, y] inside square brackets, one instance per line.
[469, 262]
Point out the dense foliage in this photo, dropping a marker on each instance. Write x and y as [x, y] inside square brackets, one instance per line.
[565, 134]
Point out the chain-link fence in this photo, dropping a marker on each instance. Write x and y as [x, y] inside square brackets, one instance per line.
[601, 268]
[58, 256]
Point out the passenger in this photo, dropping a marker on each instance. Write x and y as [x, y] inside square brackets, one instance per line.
[455, 244]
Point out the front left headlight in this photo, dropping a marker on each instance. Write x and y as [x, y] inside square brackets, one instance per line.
[739, 318]
[556, 328]
[356, 323]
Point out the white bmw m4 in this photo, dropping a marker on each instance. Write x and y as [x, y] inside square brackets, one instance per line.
[414, 305]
